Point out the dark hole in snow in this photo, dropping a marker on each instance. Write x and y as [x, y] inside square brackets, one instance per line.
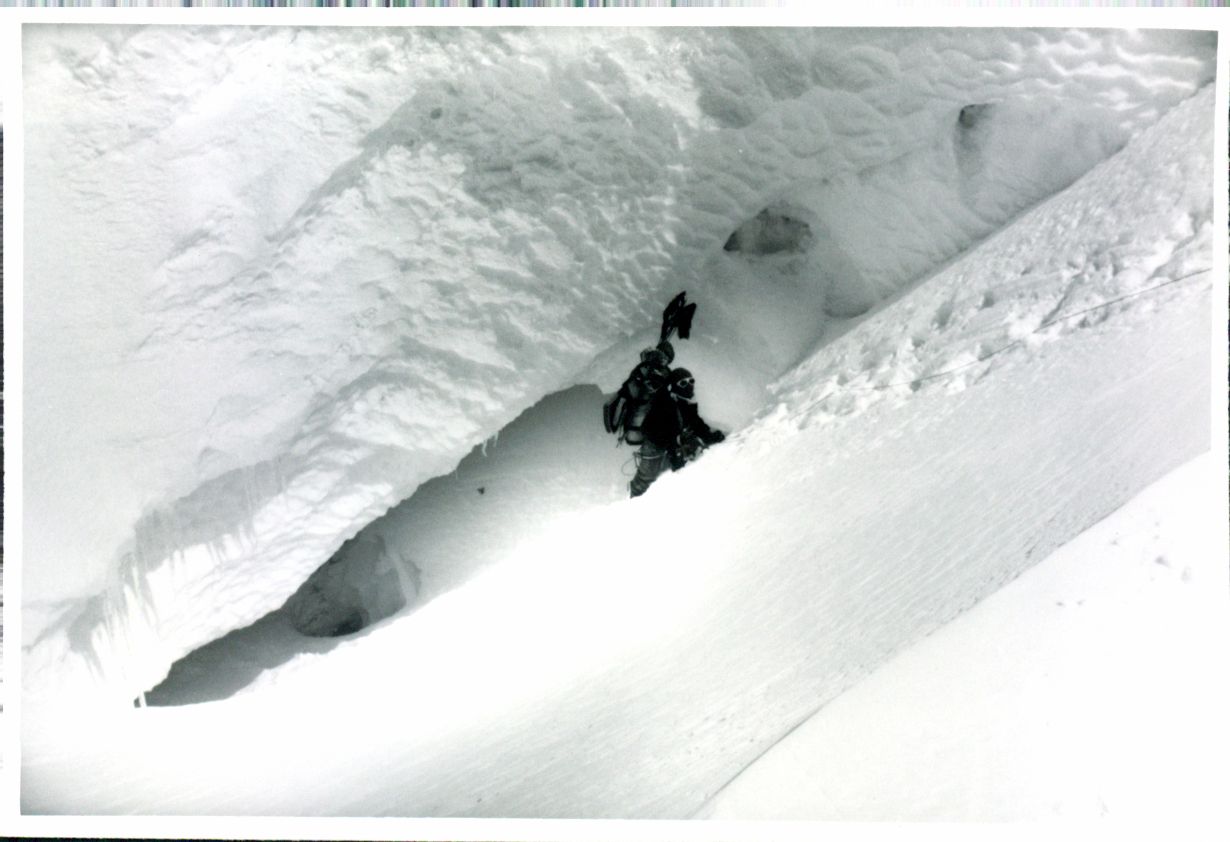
[972, 115]
[358, 586]
[772, 231]
[351, 623]
[971, 131]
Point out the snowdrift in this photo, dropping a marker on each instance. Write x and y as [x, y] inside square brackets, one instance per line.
[1127, 620]
[257, 317]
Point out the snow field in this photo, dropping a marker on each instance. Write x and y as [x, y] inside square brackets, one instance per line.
[630, 660]
[316, 335]
[1090, 688]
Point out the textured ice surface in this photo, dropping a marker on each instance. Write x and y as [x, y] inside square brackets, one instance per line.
[258, 316]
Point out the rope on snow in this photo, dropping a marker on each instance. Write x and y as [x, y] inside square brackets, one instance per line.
[1041, 327]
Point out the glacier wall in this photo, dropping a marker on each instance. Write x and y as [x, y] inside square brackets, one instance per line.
[257, 316]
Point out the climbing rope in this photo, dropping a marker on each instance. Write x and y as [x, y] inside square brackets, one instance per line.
[1048, 323]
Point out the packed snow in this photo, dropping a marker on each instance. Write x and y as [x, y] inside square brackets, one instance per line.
[1037, 693]
[954, 292]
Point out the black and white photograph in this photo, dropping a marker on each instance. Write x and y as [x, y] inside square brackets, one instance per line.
[719, 423]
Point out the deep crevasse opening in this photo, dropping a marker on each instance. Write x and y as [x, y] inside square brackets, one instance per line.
[552, 460]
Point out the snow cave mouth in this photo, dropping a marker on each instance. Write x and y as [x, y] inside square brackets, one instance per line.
[794, 242]
[774, 230]
[553, 457]
[358, 586]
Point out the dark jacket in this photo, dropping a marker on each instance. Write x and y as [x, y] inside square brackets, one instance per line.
[673, 423]
[649, 376]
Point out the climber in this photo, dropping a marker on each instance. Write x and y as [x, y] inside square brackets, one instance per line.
[625, 411]
[674, 432]
[655, 407]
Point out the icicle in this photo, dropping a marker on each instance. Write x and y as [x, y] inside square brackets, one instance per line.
[493, 440]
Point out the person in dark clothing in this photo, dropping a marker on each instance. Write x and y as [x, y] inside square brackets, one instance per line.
[674, 432]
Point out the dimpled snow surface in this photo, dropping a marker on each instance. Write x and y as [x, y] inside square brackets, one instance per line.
[943, 346]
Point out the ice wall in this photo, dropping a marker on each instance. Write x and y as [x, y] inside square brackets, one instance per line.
[259, 315]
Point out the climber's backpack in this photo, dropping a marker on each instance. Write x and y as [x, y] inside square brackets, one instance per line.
[625, 412]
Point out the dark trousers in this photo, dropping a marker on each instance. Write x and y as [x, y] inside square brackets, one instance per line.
[651, 461]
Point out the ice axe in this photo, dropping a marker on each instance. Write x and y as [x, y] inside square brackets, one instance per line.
[677, 317]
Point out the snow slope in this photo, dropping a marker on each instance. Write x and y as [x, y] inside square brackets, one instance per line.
[236, 357]
[629, 659]
[1090, 688]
